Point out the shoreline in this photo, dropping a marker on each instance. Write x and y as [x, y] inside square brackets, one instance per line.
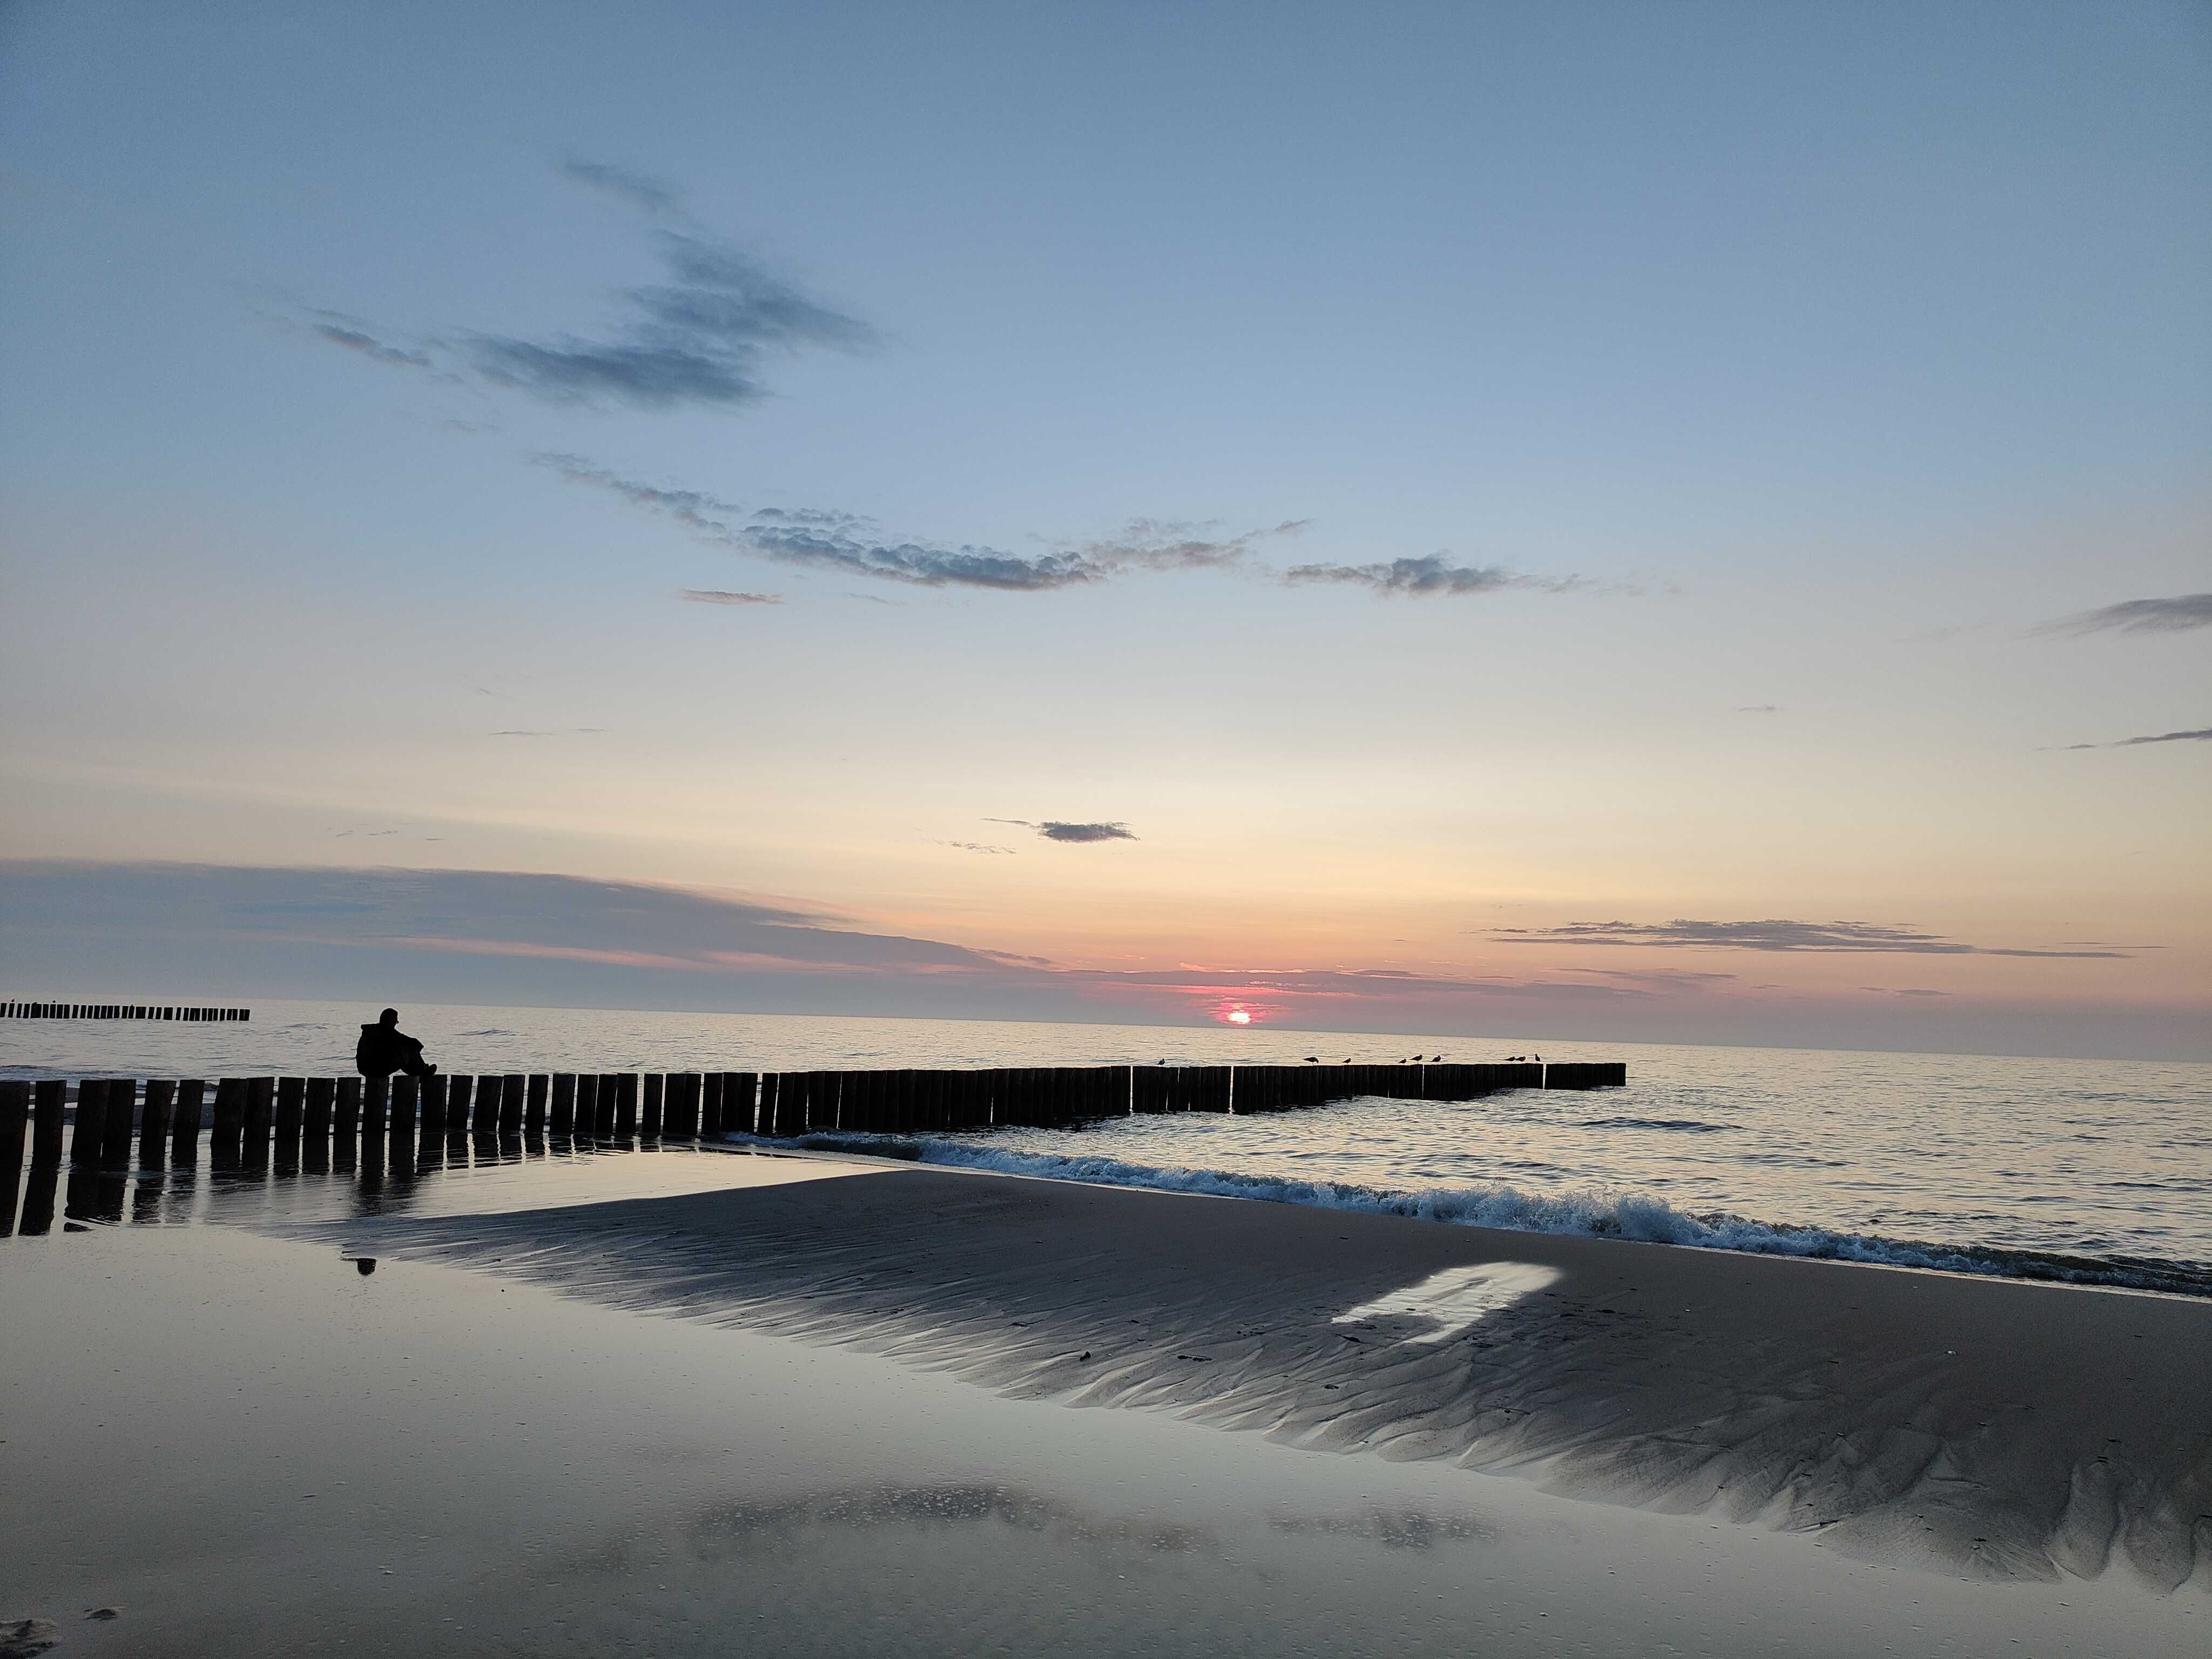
[1969, 1425]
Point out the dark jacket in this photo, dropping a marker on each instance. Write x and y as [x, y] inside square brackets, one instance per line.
[383, 1049]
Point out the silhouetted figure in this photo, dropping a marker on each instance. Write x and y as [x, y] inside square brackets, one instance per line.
[385, 1049]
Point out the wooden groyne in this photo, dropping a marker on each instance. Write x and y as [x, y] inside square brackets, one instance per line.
[311, 1120]
[117, 1010]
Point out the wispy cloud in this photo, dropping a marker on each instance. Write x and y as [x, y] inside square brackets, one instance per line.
[2170, 615]
[1426, 577]
[979, 847]
[639, 190]
[701, 337]
[2201, 736]
[723, 596]
[345, 334]
[1827, 936]
[1759, 709]
[827, 538]
[554, 732]
[1055, 829]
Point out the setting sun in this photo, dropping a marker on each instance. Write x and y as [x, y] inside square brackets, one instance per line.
[1238, 1017]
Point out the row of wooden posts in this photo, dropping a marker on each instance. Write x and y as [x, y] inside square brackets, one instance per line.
[116, 1011]
[246, 1113]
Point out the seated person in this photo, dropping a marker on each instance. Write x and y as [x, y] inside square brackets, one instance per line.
[385, 1049]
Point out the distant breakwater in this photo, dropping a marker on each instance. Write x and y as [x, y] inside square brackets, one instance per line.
[117, 1010]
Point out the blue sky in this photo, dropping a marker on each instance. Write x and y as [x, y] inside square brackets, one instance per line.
[1774, 379]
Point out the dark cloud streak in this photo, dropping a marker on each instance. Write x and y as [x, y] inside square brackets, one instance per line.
[1423, 578]
[2168, 616]
[1059, 830]
[826, 539]
[1818, 937]
[2201, 736]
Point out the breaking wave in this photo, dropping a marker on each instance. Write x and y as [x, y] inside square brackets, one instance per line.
[1590, 1211]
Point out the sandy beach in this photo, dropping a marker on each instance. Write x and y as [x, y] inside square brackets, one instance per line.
[499, 1441]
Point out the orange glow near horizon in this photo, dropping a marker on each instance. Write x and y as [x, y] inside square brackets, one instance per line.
[1238, 1017]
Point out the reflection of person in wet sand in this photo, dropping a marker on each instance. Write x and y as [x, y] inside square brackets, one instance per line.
[385, 1049]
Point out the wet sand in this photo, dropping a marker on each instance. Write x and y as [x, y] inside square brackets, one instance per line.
[492, 1445]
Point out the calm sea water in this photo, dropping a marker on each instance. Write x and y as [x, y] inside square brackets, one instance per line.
[1987, 1164]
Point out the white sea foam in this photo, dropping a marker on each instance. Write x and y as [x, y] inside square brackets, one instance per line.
[1589, 1211]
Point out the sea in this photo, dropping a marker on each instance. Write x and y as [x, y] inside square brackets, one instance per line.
[2095, 1172]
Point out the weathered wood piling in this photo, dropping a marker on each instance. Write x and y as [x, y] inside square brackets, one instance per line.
[343, 1123]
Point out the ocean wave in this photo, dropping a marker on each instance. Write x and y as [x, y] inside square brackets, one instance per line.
[1588, 1212]
[1687, 1125]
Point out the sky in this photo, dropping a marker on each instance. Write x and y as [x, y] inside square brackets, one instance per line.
[1607, 521]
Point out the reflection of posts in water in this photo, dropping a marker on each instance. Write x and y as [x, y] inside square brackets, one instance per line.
[92, 1196]
[91, 1123]
[457, 1092]
[154, 1122]
[146, 1197]
[49, 1099]
[184, 1125]
[122, 1114]
[38, 1197]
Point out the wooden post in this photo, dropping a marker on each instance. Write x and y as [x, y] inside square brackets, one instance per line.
[50, 1098]
[291, 1114]
[260, 1118]
[656, 1096]
[564, 1102]
[91, 1123]
[375, 1104]
[345, 1110]
[511, 1090]
[710, 1104]
[625, 1105]
[604, 1114]
[432, 1094]
[154, 1122]
[458, 1091]
[14, 1121]
[484, 1125]
[738, 1092]
[533, 1106]
[681, 1120]
[406, 1102]
[588, 1103]
[185, 1124]
[115, 1134]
